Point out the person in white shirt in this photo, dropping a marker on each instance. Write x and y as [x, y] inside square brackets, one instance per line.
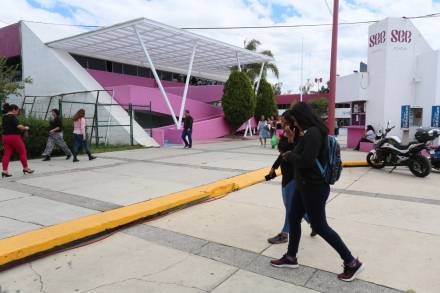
[370, 136]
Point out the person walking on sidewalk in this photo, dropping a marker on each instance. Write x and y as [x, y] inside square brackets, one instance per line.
[79, 135]
[263, 131]
[287, 142]
[56, 137]
[312, 192]
[12, 140]
[187, 129]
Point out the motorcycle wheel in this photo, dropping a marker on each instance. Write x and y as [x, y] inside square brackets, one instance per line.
[373, 162]
[420, 166]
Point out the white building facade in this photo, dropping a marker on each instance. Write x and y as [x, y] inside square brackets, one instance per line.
[401, 84]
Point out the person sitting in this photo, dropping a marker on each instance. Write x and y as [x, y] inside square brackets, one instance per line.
[369, 136]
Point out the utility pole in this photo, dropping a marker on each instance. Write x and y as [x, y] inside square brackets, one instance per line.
[302, 68]
[333, 63]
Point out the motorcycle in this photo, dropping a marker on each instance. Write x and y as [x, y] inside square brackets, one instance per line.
[389, 151]
[435, 157]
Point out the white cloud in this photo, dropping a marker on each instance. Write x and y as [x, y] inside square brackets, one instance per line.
[285, 43]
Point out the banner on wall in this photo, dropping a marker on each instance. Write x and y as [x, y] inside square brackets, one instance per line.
[404, 117]
[435, 119]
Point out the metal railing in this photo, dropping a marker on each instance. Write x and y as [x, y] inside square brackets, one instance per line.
[40, 107]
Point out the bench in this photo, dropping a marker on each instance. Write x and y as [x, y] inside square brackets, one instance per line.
[366, 147]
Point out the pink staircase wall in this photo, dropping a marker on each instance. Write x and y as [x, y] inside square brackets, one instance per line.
[107, 79]
[202, 130]
[202, 93]
[10, 41]
[141, 95]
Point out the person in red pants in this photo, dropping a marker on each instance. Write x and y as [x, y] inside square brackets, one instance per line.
[12, 140]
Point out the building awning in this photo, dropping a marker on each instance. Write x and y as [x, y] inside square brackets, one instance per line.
[170, 48]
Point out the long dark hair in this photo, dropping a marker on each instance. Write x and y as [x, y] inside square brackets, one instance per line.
[56, 112]
[9, 108]
[80, 114]
[306, 118]
[288, 116]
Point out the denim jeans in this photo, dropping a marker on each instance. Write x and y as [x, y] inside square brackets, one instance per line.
[312, 200]
[187, 133]
[288, 193]
[78, 143]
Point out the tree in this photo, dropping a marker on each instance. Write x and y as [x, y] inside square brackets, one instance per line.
[9, 85]
[319, 106]
[305, 89]
[253, 70]
[277, 88]
[324, 89]
[266, 104]
[238, 99]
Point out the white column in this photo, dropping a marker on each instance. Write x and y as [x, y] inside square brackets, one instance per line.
[156, 77]
[257, 87]
[185, 90]
[238, 61]
[302, 68]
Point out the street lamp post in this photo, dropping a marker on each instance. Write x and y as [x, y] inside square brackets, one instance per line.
[333, 63]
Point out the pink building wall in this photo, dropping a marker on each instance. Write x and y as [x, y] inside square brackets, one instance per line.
[10, 41]
[107, 79]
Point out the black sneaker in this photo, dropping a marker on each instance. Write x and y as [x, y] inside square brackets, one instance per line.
[313, 233]
[46, 158]
[285, 262]
[75, 160]
[280, 238]
[68, 157]
[351, 272]
[91, 158]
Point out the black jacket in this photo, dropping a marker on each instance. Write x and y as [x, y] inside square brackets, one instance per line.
[188, 123]
[303, 158]
[287, 170]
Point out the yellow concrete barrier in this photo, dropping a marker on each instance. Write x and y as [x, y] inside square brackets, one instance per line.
[34, 242]
[355, 164]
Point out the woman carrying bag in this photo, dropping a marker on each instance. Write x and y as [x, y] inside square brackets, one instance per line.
[79, 135]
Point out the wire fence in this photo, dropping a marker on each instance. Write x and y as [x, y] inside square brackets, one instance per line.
[100, 110]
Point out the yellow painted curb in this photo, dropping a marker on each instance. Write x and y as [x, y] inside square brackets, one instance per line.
[31, 243]
[355, 164]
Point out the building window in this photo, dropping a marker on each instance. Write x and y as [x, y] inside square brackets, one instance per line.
[167, 76]
[117, 67]
[96, 64]
[129, 69]
[109, 66]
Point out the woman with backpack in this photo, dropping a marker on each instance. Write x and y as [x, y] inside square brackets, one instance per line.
[312, 192]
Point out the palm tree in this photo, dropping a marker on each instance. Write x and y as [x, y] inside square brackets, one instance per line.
[253, 70]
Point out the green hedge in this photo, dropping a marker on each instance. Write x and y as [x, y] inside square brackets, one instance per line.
[38, 133]
[266, 104]
[238, 99]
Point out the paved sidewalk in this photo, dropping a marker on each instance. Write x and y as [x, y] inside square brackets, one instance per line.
[389, 220]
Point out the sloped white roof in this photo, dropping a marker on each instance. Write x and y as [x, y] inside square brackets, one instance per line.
[170, 48]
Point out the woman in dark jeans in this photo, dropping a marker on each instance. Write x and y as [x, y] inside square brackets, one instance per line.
[312, 193]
